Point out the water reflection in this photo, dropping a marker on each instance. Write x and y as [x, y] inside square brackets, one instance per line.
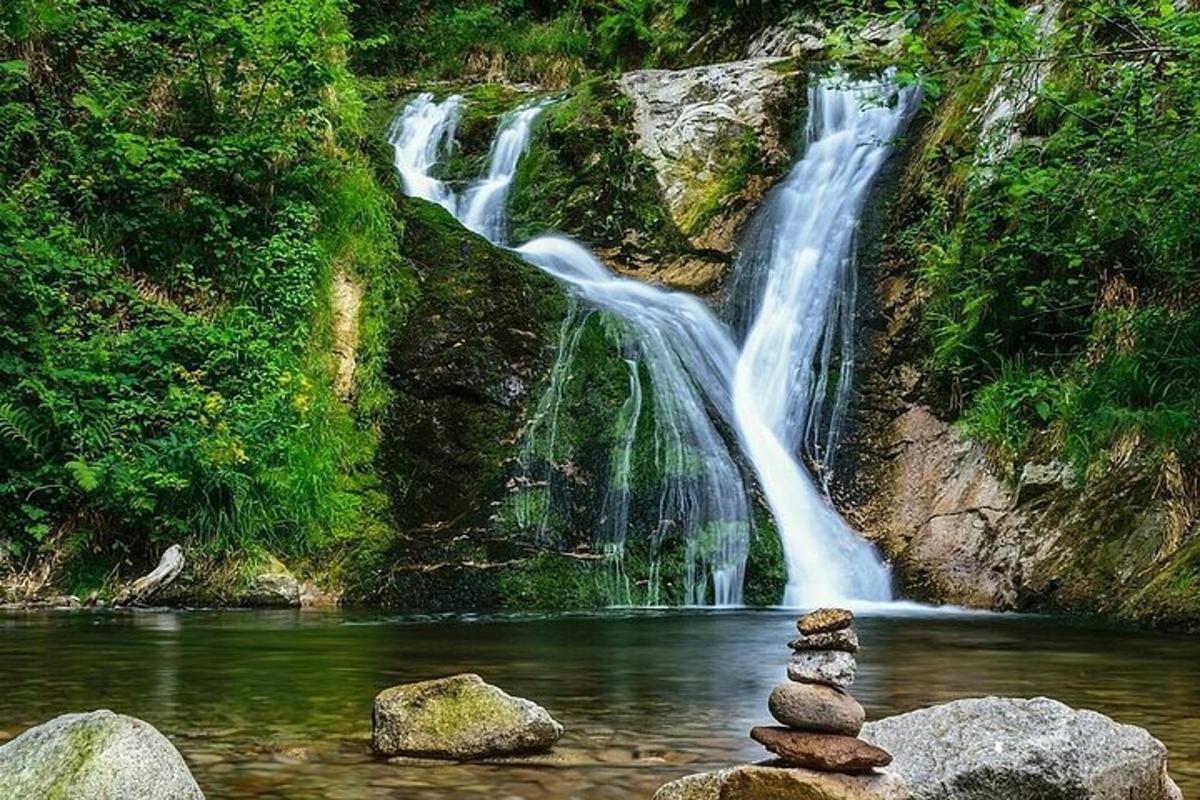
[277, 704]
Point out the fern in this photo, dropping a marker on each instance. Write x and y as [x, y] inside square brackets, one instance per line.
[18, 426]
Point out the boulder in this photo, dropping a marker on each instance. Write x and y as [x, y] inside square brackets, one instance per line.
[998, 748]
[274, 586]
[825, 620]
[845, 640]
[813, 707]
[820, 751]
[829, 667]
[768, 782]
[460, 718]
[95, 756]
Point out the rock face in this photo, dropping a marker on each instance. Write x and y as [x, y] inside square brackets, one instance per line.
[95, 756]
[823, 752]
[817, 708]
[460, 718]
[767, 782]
[1000, 748]
[700, 126]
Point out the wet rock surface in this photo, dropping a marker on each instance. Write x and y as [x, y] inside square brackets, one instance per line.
[825, 752]
[460, 718]
[845, 640]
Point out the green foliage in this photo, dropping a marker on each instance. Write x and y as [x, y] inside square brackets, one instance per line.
[174, 203]
[1060, 279]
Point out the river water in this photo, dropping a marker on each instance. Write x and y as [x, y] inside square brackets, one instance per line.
[278, 704]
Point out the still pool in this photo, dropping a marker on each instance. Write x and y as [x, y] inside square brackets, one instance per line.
[278, 704]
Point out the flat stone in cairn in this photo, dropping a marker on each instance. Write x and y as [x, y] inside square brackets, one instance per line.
[828, 667]
[845, 640]
[812, 707]
[825, 620]
[821, 751]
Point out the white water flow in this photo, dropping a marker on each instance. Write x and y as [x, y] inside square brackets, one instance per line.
[794, 286]
[423, 135]
[485, 202]
[801, 267]
[690, 356]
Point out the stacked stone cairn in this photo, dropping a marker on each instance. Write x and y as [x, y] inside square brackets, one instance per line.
[819, 720]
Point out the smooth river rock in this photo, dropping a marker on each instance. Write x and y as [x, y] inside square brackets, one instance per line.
[820, 751]
[825, 620]
[845, 640]
[829, 667]
[998, 748]
[810, 706]
[768, 782]
[460, 718]
[94, 756]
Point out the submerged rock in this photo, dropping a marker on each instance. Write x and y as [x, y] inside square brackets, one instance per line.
[998, 748]
[460, 718]
[829, 667]
[95, 756]
[820, 751]
[769, 782]
[813, 707]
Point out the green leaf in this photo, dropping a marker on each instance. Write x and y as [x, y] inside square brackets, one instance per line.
[89, 104]
[84, 475]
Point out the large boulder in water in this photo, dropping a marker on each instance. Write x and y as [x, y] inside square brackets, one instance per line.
[95, 756]
[460, 718]
[768, 782]
[998, 748]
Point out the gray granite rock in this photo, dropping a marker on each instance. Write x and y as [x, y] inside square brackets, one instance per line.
[95, 756]
[845, 640]
[829, 667]
[997, 748]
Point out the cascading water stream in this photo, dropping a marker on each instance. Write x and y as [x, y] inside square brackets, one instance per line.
[793, 298]
[803, 272]
[485, 202]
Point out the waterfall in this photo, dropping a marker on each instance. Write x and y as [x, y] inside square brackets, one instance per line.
[486, 200]
[689, 355]
[421, 136]
[799, 271]
[778, 392]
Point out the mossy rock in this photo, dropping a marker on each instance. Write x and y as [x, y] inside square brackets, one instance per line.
[459, 718]
[99, 756]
